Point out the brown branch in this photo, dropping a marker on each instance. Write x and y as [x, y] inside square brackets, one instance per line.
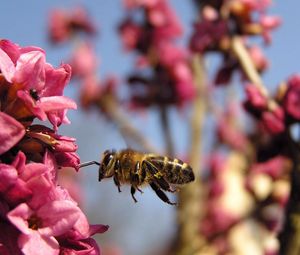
[290, 234]
[242, 54]
[189, 239]
[166, 131]
[110, 106]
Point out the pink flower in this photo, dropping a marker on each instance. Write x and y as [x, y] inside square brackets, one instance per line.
[274, 121]
[268, 24]
[49, 213]
[291, 101]
[208, 35]
[259, 5]
[138, 3]
[255, 101]
[20, 180]
[38, 227]
[259, 60]
[67, 159]
[93, 92]
[36, 83]
[162, 17]
[63, 25]
[275, 167]
[48, 137]
[84, 61]
[184, 82]
[130, 34]
[73, 243]
[175, 60]
[11, 132]
[229, 132]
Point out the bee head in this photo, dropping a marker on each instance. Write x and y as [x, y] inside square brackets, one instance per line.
[106, 163]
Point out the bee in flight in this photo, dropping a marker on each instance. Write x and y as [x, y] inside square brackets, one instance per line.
[138, 169]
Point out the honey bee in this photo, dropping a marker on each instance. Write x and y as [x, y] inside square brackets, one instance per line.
[132, 167]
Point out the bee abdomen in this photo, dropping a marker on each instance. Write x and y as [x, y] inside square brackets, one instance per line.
[174, 170]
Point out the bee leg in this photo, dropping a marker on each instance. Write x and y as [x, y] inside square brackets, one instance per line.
[116, 181]
[132, 191]
[161, 194]
[163, 184]
[100, 173]
[135, 181]
[140, 190]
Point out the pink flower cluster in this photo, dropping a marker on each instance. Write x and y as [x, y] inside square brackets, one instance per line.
[170, 80]
[276, 118]
[65, 24]
[260, 190]
[37, 216]
[222, 20]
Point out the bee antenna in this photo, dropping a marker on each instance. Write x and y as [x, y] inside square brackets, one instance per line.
[89, 163]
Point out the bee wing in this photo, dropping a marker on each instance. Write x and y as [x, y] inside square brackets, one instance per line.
[158, 177]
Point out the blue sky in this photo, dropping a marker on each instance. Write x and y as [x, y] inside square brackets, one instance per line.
[24, 22]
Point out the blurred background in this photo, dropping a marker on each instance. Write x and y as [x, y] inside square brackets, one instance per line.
[145, 227]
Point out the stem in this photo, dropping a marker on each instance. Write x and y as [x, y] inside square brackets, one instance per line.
[190, 240]
[239, 49]
[113, 111]
[166, 131]
[242, 54]
[290, 234]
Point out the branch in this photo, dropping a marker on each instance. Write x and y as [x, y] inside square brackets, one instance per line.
[239, 49]
[290, 234]
[189, 240]
[113, 111]
[242, 54]
[166, 131]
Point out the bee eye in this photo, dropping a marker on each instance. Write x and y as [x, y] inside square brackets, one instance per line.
[107, 158]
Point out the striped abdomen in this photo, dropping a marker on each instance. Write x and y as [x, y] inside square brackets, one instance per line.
[174, 170]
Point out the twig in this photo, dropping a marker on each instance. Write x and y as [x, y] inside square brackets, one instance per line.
[111, 108]
[189, 239]
[166, 131]
[239, 49]
[290, 235]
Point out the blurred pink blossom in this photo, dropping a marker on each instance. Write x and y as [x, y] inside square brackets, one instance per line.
[83, 60]
[269, 23]
[63, 25]
[130, 34]
[255, 100]
[274, 121]
[208, 35]
[275, 167]
[259, 60]
[291, 101]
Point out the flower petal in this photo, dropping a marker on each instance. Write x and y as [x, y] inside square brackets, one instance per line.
[11, 132]
[7, 67]
[56, 80]
[58, 217]
[35, 244]
[55, 103]
[31, 105]
[11, 49]
[19, 216]
[8, 176]
[98, 229]
[30, 70]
